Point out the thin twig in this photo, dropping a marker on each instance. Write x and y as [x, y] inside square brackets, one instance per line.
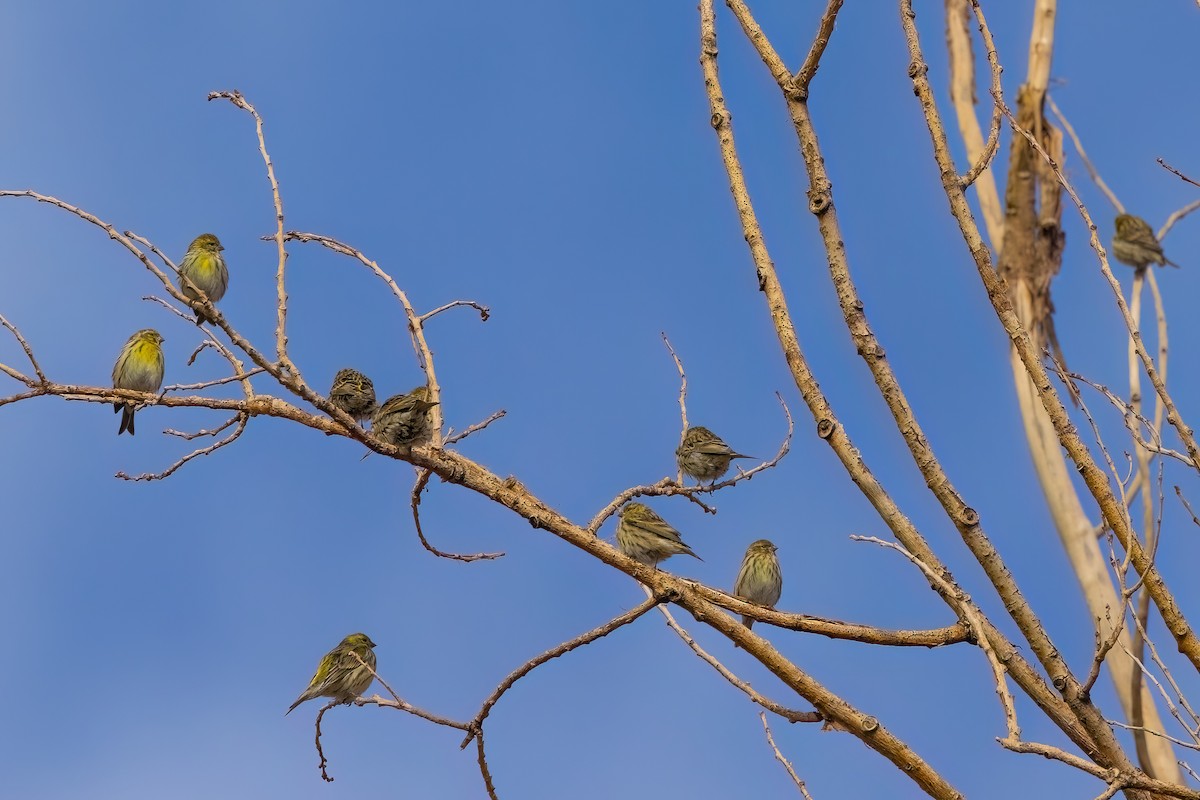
[986, 150]
[1130, 417]
[1176, 215]
[1192, 745]
[415, 501]
[399, 703]
[836, 629]
[281, 306]
[682, 399]
[1188, 506]
[24, 346]
[484, 312]
[189, 387]
[207, 432]
[668, 487]
[964, 99]
[770, 705]
[153, 249]
[973, 617]
[157, 476]
[1087, 162]
[762, 715]
[323, 762]
[475, 726]
[1169, 168]
[483, 767]
[212, 342]
[452, 437]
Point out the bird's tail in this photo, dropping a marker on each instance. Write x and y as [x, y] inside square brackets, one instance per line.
[126, 420]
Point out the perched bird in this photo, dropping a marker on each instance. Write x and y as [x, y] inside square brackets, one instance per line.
[1134, 243]
[703, 455]
[204, 265]
[646, 537]
[139, 367]
[759, 580]
[340, 675]
[403, 419]
[353, 393]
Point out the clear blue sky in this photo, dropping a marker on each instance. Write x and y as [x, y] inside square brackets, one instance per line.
[555, 162]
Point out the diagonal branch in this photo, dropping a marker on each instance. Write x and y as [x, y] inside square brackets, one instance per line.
[762, 715]
[812, 61]
[28, 352]
[475, 726]
[790, 715]
[203, 451]
[828, 427]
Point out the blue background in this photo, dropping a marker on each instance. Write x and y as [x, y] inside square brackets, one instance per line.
[555, 162]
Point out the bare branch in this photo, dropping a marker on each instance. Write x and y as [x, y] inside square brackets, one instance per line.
[484, 312]
[483, 767]
[206, 432]
[1087, 162]
[452, 437]
[154, 249]
[973, 618]
[281, 306]
[682, 398]
[1192, 745]
[323, 762]
[812, 61]
[188, 387]
[418, 488]
[475, 726]
[963, 96]
[1169, 168]
[836, 629]
[1176, 215]
[770, 705]
[1173, 415]
[762, 715]
[157, 476]
[667, 487]
[24, 346]
[415, 324]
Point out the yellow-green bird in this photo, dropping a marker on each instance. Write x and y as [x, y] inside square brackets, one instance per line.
[646, 537]
[403, 419]
[353, 393]
[1135, 244]
[703, 455]
[204, 265]
[139, 367]
[340, 675]
[759, 580]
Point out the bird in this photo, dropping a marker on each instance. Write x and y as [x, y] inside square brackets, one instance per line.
[139, 367]
[353, 393]
[646, 537]
[340, 675]
[402, 420]
[703, 455]
[205, 267]
[759, 580]
[1135, 244]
